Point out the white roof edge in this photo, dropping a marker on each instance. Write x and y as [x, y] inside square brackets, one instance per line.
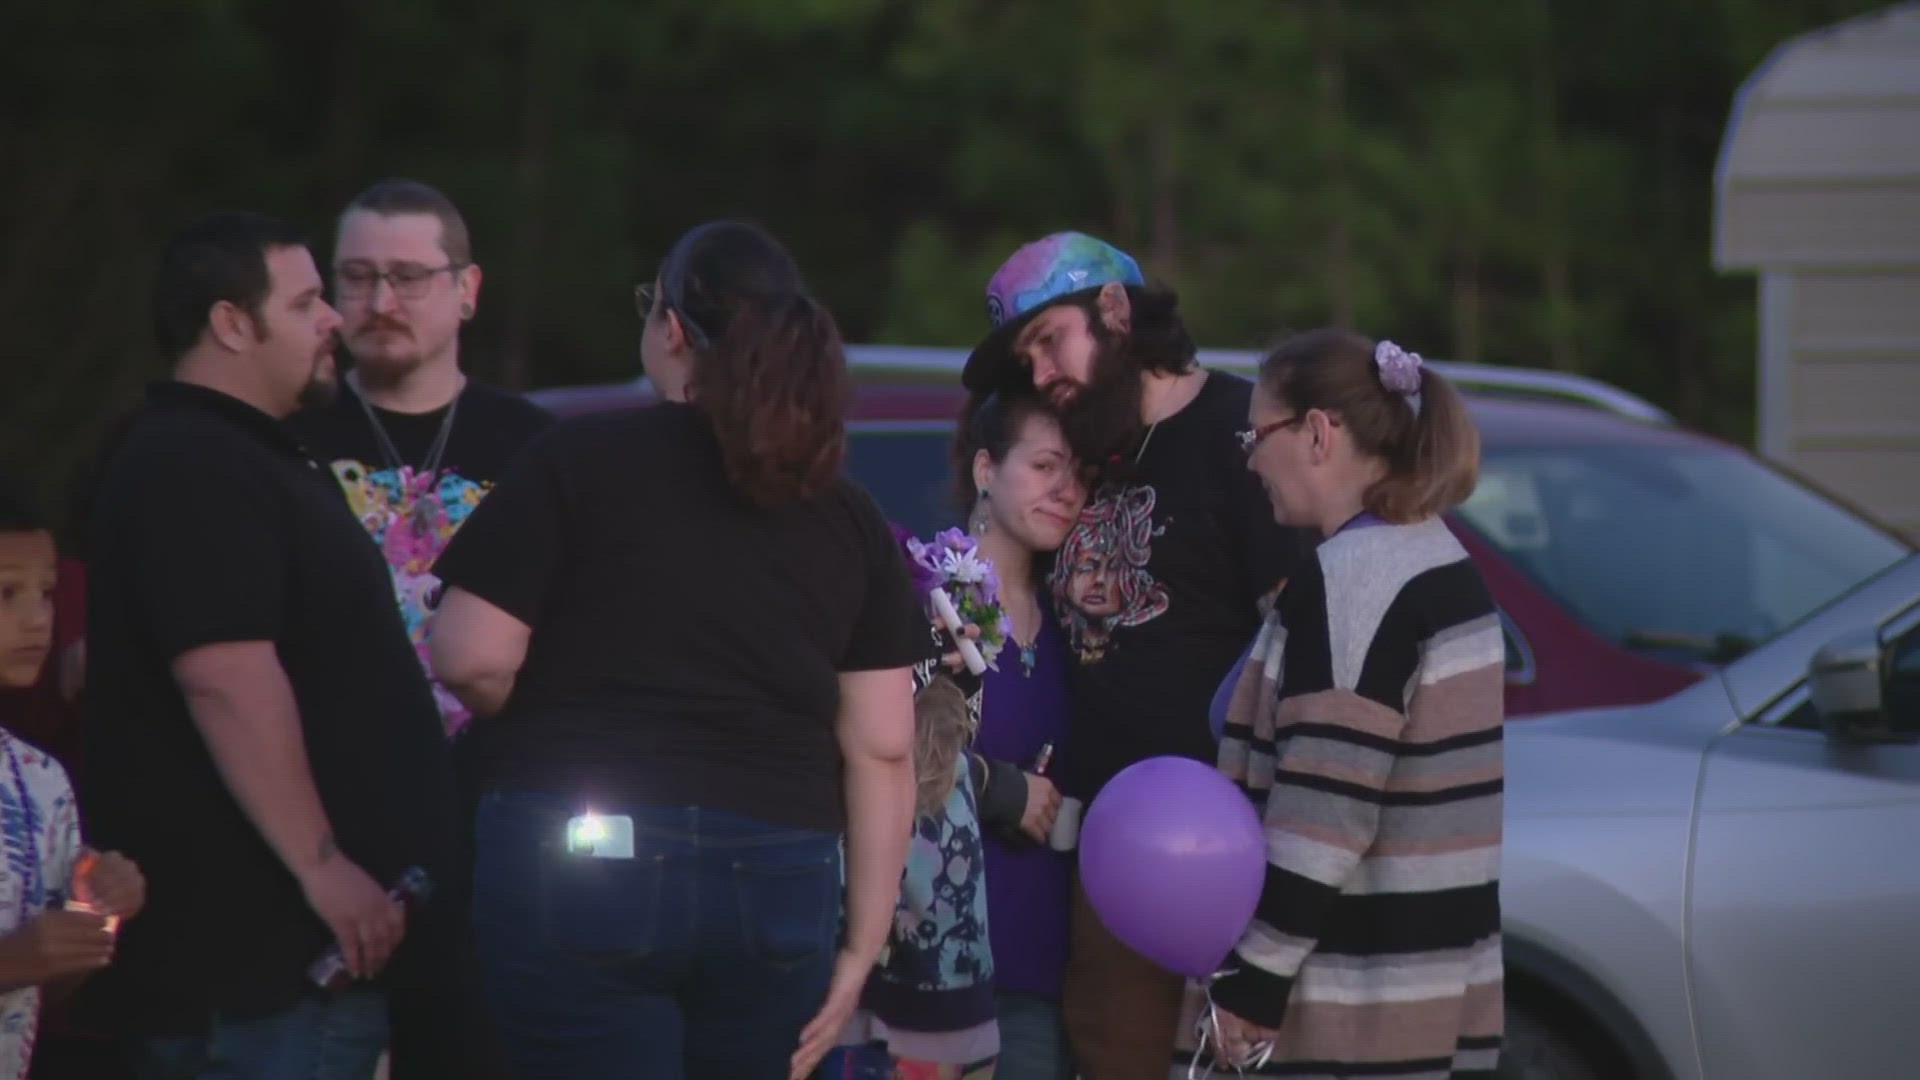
[1742, 99]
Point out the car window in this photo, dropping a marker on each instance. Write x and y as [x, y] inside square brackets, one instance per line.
[905, 466]
[1695, 553]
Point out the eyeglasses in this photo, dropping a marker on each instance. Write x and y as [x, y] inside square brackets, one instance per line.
[643, 298]
[1251, 438]
[410, 281]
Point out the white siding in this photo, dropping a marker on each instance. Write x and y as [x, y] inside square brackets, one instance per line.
[1819, 191]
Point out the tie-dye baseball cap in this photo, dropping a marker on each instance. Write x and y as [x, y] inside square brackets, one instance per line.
[1037, 276]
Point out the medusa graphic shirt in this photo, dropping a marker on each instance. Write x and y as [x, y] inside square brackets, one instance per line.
[1158, 588]
[413, 489]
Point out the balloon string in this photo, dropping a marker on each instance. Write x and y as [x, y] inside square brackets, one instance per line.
[1208, 1031]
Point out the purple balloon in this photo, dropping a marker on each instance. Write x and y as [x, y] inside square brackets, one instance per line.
[1173, 859]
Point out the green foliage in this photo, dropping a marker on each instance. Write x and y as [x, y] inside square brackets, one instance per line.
[1515, 181]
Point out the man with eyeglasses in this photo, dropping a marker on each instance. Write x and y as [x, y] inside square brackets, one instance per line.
[415, 444]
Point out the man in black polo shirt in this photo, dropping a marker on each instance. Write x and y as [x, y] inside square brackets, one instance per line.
[263, 740]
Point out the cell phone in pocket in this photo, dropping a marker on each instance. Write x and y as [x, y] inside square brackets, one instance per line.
[600, 836]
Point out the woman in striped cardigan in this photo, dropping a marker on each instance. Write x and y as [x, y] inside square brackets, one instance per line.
[1366, 725]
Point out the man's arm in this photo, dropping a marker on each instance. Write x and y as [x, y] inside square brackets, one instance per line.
[475, 650]
[244, 708]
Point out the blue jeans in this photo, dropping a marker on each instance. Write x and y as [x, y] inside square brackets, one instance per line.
[336, 1036]
[1033, 1039]
[700, 957]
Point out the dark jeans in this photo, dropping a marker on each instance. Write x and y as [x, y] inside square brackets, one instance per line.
[700, 957]
[336, 1036]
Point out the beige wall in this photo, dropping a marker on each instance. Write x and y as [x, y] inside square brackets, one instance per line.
[1851, 361]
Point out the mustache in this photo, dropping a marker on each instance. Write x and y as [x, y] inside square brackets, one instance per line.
[381, 322]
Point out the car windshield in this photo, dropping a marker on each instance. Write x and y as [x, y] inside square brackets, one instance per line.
[1696, 553]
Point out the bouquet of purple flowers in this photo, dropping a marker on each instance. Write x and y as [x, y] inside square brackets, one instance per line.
[961, 588]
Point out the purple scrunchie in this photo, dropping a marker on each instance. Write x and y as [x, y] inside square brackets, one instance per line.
[1399, 371]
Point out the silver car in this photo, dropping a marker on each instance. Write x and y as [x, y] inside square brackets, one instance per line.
[1726, 884]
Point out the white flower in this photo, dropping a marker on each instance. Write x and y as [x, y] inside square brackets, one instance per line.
[965, 567]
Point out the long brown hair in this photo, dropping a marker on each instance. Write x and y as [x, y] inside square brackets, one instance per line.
[769, 369]
[1430, 446]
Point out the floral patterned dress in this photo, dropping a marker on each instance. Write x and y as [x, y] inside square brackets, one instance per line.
[40, 834]
[929, 1001]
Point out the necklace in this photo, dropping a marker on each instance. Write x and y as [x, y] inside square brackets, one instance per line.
[426, 503]
[391, 453]
[1142, 452]
[1029, 650]
[32, 896]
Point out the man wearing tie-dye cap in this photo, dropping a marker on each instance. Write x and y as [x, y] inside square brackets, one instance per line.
[1159, 584]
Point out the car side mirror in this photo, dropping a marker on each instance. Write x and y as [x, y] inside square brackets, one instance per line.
[1847, 680]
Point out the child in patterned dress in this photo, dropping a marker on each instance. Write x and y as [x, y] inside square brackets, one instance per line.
[59, 902]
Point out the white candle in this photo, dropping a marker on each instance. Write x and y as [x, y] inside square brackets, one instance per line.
[969, 652]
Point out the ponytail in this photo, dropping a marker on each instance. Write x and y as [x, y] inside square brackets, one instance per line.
[1398, 409]
[1436, 463]
[774, 385]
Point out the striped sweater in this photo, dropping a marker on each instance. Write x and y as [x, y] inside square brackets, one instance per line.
[1367, 724]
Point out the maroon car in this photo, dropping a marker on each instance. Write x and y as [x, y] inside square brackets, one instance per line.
[1629, 557]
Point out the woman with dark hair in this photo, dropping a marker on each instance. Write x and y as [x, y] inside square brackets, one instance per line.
[979, 941]
[690, 641]
[1023, 489]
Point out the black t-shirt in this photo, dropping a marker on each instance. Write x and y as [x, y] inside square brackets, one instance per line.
[686, 644]
[490, 426]
[413, 505]
[212, 525]
[1158, 587]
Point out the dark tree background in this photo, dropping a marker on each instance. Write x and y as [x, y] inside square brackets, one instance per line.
[1511, 181]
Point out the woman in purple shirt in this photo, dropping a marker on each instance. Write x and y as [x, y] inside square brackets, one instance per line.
[1025, 491]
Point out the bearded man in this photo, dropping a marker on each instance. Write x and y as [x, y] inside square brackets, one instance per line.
[1186, 550]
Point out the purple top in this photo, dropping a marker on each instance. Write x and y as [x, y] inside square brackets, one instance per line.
[1217, 712]
[1027, 884]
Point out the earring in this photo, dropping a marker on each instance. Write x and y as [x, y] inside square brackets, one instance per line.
[466, 311]
[980, 521]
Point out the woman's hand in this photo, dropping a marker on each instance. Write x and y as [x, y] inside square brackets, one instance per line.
[954, 662]
[1043, 806]
[1238, 1038]
[843, 997]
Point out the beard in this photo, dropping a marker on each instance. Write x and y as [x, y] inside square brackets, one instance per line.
[321, 389]
[1103, 419]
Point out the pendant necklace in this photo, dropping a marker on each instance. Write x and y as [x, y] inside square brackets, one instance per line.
[1029, 651]
[425, 503]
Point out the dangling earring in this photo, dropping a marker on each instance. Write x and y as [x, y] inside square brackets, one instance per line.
[980, 521]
